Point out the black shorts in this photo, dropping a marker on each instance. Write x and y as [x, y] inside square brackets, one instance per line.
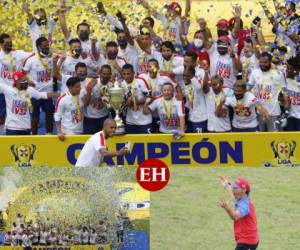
[241, 246]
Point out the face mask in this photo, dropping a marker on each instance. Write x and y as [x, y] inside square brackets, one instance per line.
[76, 52]
[222, 33]
[82, 76]
[23, 85]
[40, 21]
[238, 96]
[45, 52]
[265, 68]
[8, 47]
[249, 54]
[84, 35]
[122, 43]
[112, 55]
[198, 43]
[222, 49]
[105, 79]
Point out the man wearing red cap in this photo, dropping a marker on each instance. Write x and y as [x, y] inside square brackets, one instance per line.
[18, 104]
[171, 22]
[243, 214]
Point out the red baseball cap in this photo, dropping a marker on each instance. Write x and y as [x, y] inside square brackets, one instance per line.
[240, 183]
[224, 39]
[223, 22]
[17, 75]
[175, 6]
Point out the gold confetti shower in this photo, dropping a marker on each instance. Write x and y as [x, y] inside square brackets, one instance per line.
[64, 198]
[13, 18]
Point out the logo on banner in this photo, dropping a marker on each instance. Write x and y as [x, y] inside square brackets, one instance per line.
[23, 154]
[284, 151]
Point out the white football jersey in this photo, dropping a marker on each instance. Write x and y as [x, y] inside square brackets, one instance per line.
[87, 47]
[175, 65]
[10, 63]
[130, 55]
[115, 73]
[139, 88]
[68, 65]
[144, 58]
[69, 112]
[97, 108]
[244, 111]
[176, 108]
[171, 27]
[156, 84]
[222, 66]
[38, 73]
[266, 86]
[292, 90]
[37, 31]
[195, 100]
[17, 109]
[90, 154]
[215, 123]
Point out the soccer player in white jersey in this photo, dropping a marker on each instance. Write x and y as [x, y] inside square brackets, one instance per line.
[292, 90]
[26, 240]
[194, 91]
[95, 149]
[19, 105]
[85, 236]
[96, 100]
[82, 30]
[111, 58]
[249, 58]
[267, 84]
[39, 68]
[191, 61]
[137, 89]
[213, 98]
[44, 235]
[93, 237]
[81, 71]
[171, 64]
[74, 56]
[10, 61]
[7, 239]
[245, 105]
[69, 110]
[223, 60]
[143, 45]
[155, 79]
[171, 21]
[171, 111]
[39, 24]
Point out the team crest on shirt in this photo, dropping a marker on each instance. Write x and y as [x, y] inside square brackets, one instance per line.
[284, 152]
[23, 154]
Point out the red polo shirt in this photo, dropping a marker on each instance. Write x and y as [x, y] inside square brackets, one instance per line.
[245, 228]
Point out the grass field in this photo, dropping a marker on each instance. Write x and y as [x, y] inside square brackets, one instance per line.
[185, 215]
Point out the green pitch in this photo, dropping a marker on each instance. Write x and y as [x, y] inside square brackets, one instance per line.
[185, 215]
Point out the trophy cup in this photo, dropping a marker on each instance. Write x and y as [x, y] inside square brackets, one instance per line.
[116, 99]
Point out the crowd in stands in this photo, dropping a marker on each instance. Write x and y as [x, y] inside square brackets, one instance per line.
[234, 82]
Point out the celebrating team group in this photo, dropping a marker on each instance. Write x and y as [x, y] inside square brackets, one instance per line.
[233, 82]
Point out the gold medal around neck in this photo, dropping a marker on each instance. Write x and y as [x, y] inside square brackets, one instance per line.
[168, 111]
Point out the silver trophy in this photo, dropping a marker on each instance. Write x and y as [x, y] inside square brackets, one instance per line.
[116, 100]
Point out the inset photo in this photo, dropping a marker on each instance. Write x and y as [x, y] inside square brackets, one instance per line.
[226, 209]
[78, 208]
